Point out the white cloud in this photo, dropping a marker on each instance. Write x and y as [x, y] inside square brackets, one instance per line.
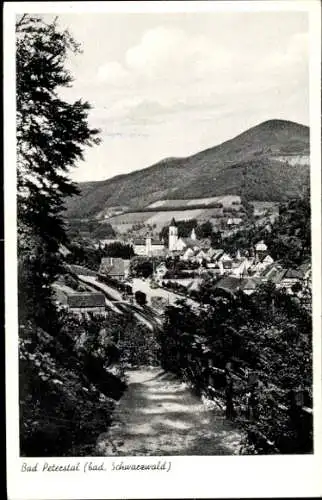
[168, 54]
[112, 72]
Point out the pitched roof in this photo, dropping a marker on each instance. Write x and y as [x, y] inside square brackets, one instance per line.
[113, 266]
[305, 267]
[72, 298]
[173, 222]
[250, 283]
[189, 249]
[275, 274]
[231, 284]
[63, 250]
[156, 242]
[86, 299]
[194, 284]
[293, 274]
[205, 243]
[139, 242]
[218, 253]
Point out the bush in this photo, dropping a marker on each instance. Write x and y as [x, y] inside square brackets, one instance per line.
[140, 298]
[62, 409]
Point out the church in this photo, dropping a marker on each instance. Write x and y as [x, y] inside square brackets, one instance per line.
[181, 244]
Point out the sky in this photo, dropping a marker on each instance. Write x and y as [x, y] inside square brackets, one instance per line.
[172, 84]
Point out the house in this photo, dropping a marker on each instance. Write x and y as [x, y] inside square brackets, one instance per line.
[188, 254]
[306, 270]
[260, 250]
[224, 257]
[274, 273]
[262, 208]
[200, 255]
[79, 302]
[290, 278]
[234, 221]
[261, 263]
[240, 267]
[214, 254]
[230, 284]
[115, 268]
[148, 247]
[63, 250]
[250, 284]
[194, 286]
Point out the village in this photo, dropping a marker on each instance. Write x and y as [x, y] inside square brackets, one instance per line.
[168, 272]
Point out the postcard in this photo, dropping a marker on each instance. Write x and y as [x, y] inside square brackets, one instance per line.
[163, 249]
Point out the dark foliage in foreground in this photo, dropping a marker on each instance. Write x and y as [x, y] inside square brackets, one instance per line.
[67, 393]
[254, 353]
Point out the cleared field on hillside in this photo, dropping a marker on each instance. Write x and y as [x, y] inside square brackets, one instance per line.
[163, 218]
[130, 218]
[125, 222]
[225, 200]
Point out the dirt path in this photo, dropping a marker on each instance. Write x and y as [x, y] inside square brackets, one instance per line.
[158, 415]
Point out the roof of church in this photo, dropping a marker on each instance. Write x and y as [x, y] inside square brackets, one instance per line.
[173, 222]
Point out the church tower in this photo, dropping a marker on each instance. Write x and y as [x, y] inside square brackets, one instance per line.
[173, 235]
[193, 235]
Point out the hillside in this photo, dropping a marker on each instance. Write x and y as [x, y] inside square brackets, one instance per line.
[268, 162]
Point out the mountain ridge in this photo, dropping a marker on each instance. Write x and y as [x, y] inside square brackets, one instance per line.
[253, 164]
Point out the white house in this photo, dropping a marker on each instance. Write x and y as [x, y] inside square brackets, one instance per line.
[261, 264]
[224, 257]
[188, 254]
[200, 255]
[148, 247]
[240, 267]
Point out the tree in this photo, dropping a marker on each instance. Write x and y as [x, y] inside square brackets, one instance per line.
[204, 230]
[140, 298]
[51, 136]
[141, 267]
[118, 249]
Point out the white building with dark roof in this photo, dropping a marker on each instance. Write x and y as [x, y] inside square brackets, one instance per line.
[115, 268]
[148, 247]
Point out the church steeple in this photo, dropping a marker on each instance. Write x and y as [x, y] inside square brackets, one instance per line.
[193, 235]
[173, 235]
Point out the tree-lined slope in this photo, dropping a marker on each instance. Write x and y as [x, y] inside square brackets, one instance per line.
[267, 162]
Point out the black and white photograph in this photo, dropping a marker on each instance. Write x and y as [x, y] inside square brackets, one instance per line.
[164, 252]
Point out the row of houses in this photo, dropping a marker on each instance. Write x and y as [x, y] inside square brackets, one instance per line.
[241, 272]
[285, 279]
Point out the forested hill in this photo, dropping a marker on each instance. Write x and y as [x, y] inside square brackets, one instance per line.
[268, 162]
